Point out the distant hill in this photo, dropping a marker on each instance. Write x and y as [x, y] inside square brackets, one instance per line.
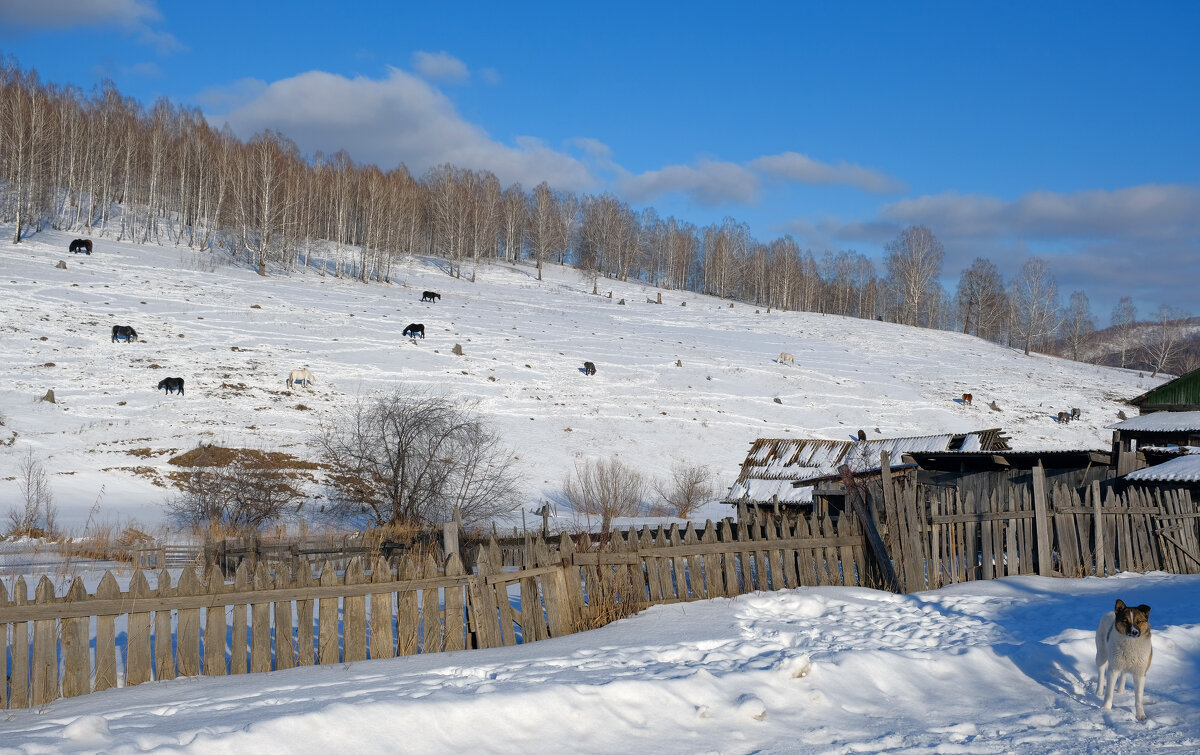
[692, 380]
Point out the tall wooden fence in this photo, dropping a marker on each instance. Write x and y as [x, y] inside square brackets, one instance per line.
[934, 536]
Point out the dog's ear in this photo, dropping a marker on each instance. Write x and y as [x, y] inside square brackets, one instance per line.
[1145, 609]
[1120, 605]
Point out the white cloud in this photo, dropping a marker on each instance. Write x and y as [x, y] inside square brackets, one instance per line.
[1150, 211]
[708, 182]
[133, 16]
[440, 66]
[793, 166]
[398, 119]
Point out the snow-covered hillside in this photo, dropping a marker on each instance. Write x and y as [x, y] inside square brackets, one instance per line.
[234, 336]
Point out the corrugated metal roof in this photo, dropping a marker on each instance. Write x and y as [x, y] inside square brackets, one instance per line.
[1165, 422]
[1179, 469]
[774, 464]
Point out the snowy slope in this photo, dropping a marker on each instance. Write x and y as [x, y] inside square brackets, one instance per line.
[234, 336]
[985, 667]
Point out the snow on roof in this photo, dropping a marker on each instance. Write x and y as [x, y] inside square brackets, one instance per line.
[774, 464]
[1180, 469]
[1161, 422]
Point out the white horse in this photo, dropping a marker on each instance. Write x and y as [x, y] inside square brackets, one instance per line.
[786, 358]
[303, 377]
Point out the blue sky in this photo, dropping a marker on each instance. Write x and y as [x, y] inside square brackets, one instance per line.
[1065, 130]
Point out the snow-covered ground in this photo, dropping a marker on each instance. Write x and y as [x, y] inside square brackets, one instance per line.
[985, 667]
[234, 337]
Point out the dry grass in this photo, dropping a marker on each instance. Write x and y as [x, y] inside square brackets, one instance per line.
[219, 456]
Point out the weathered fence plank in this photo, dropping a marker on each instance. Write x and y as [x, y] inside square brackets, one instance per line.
[187, 635]
[214, 626]
[164, 654]
[354, 616]
[77, 660]
[137, 638]
[106, 637]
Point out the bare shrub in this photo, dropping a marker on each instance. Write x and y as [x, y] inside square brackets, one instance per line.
[604, 488]
[417, 459]
[235, 491]
[688, 487]
[38, 514]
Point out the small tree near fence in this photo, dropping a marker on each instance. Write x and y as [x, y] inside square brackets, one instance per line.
[604, 488]
[688, 487]
[413, 458]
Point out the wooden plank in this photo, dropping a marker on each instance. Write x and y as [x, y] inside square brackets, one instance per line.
[137, 638]
[328, 629]
[19, 679]
[77, 657]
[302, 577]
[383, 638]
[914, 526]
[481, 604]
[433, 638]
[695, 589]
[1042, 531]
[354, 616]
[164, 653]
[574, 578]
[729, 559]
[455, 612]
[239, 654]
[187, 635]
[787, 554]
[215, 634]
[1098, 523]
[870, 529]
[45, 650]
[713, 579]
[285, 645]
[806, 569]
[746, 557]
[106, 637]
[260, 618]
[408, 615]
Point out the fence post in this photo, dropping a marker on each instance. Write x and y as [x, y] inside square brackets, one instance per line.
[1044, 535]
[854, 493]
[1098, 523]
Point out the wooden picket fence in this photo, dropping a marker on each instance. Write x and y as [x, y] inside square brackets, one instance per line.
[279, 616]
[899, 535]
[937, 535]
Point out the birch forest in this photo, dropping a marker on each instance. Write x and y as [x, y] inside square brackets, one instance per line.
[101, 164]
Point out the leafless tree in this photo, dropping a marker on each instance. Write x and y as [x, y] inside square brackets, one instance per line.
[1124, 323]
[1078, 324]
[688, 487]
[38, 514]
[1035, 303]
[914, 261]
[605, 488]
[1165, 339]
[980, 299]
[416, 459]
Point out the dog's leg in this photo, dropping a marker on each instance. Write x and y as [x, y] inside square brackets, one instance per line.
[1102, 667]
[1108, 697]
[1139, 682]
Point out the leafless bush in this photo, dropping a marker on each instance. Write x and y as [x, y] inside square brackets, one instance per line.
[38, 515]
[416, 459]
[604, 488]
[234, 493]
[687, 488]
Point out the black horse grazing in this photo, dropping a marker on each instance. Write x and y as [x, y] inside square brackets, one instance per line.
[589, 368]
[415, 329]
[170, 385]
[81, 245]
[123, 333]
[430, 296]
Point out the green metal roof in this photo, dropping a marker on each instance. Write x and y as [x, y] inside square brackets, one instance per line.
[1181, 394]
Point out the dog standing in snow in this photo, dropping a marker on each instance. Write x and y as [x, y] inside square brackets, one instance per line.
[1123, 647]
